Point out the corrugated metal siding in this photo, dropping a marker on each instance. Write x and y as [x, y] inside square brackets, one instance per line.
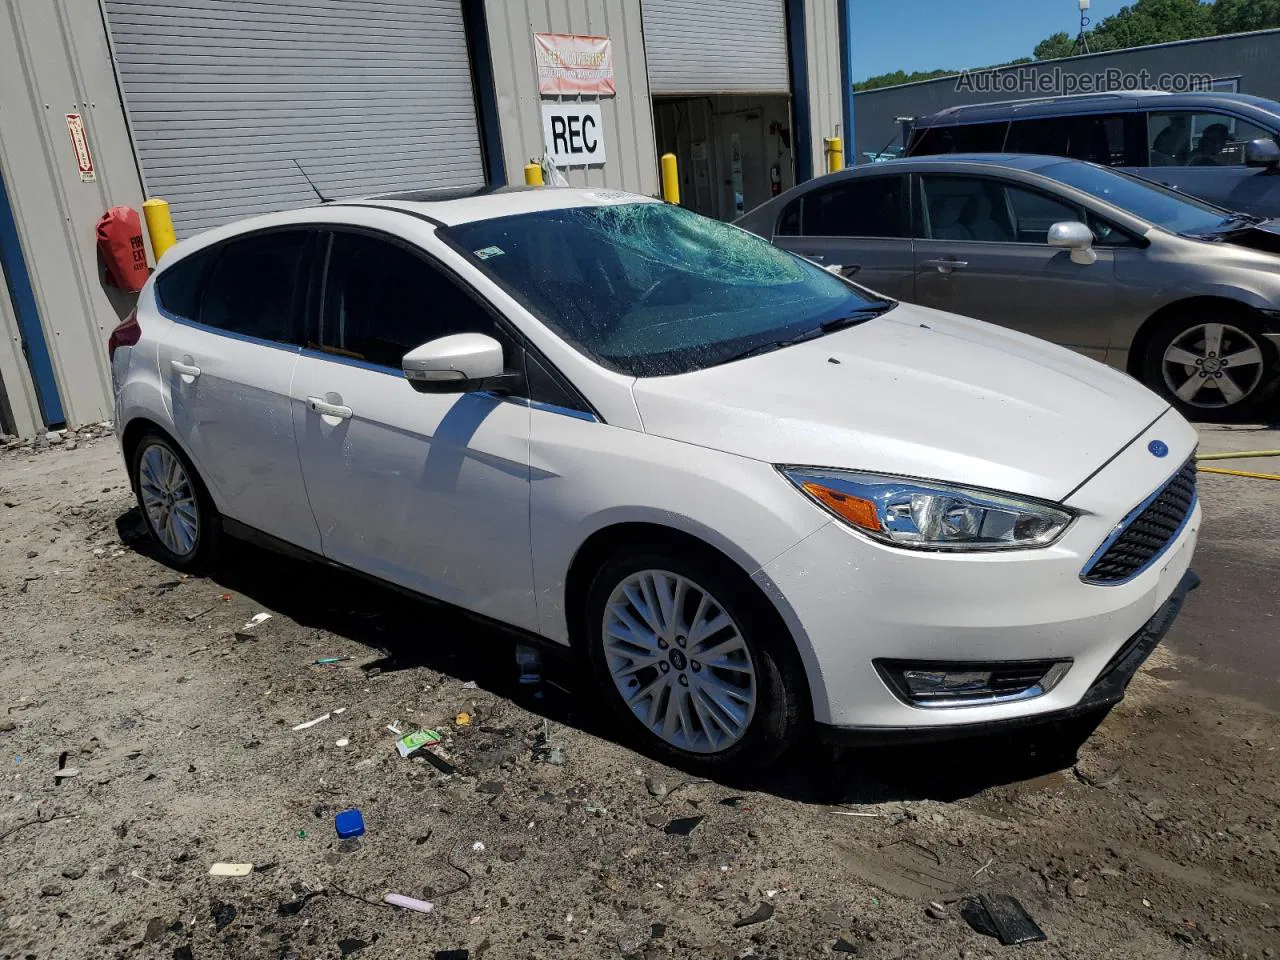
[54, 60]
[223, 96]
[631, 158]
[822, 68]
[716, 46]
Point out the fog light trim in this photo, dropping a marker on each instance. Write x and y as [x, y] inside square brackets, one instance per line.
[938, 684]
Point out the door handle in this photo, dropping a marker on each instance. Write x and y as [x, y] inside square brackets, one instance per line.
[185, 367]
[326, 409]
[945, 265]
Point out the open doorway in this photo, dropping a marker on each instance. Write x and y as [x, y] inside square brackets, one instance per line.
[733, 152]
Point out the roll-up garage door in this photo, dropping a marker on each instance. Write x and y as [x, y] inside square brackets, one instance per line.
[715, 46]
[224, 95]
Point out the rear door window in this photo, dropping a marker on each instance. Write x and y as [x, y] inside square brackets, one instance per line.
[255, 286]
[1186, 139]
[863, 207]
[1098, 138]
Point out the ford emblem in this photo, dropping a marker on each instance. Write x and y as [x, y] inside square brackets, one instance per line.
[1158, 448]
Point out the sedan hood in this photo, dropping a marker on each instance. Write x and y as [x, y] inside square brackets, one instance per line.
[915, 392]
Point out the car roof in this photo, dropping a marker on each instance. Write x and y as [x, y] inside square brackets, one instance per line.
[1120, 101]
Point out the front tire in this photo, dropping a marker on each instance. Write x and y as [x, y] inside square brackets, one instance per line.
[1212, 363]
[693, 661]
[175, 506]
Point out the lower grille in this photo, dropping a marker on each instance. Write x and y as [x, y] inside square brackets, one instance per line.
[1143, 535]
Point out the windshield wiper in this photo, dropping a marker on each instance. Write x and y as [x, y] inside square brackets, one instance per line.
[860, 315]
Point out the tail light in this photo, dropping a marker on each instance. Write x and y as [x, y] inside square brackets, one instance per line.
[125, 335]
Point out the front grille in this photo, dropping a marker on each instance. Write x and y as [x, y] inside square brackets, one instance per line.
[1144, 534]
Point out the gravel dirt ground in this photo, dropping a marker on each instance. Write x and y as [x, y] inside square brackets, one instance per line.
[143, 740]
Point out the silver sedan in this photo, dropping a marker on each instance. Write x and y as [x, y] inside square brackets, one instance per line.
[1183, 295]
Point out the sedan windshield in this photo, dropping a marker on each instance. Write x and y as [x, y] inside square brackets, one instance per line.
[651, 289]
[1175, 212]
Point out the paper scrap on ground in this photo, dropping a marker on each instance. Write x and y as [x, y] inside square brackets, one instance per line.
[312, 723]
[413, 741]
[409, 903]
[231, 869]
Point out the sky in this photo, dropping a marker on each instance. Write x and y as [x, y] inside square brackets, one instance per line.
[912, 35]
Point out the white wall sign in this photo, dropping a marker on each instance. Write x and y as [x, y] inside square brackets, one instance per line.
[573, 133]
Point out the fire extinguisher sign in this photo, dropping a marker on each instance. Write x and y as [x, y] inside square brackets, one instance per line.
[80, 145]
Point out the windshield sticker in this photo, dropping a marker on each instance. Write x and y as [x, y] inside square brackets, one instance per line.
[484, 253]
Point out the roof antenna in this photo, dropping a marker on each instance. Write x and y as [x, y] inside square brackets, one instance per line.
[323, 198]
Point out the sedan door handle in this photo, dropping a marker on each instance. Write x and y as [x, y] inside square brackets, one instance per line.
[326, 409]
[187, 369]
[945, 265]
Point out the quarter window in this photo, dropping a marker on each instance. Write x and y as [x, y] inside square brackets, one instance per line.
[254, 286]
[866, 207]
[178, 286]
[1183, 139]
[380, 301]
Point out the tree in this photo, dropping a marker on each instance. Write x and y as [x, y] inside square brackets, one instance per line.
[1054, 47]
[1237, 16]
[898, 76]
[1144, 22]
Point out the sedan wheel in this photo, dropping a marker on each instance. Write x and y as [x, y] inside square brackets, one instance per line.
[679, 661]
[180, 517]
[1213, 366]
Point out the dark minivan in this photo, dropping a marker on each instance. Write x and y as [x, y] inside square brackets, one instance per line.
[1221, 147]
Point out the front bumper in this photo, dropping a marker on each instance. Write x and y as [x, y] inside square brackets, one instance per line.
[1106, 691]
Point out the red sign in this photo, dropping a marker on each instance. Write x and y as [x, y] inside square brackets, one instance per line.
[574, 66]
[80, 144]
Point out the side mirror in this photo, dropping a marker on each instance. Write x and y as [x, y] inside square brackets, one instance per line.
[1261, 153]
[459, 363]
[1074, 236]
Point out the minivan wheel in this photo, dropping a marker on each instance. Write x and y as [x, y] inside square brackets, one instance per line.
[1212, 365]
[178, 513]
[685, 655]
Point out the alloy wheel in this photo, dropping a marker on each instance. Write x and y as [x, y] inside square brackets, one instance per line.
[1212, 365]
[169, 499]
[679, 661]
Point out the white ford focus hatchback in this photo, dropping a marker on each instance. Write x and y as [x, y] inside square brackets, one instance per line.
[752, 495]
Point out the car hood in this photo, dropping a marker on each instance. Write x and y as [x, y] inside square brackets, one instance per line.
[915, 392]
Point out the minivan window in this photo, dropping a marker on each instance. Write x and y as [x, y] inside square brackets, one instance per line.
[963, 138]
[651, 289]
[254, 286]
[380, 301]
[862, 207]
[1175, 212]
[1186, 139]
[1093, 137]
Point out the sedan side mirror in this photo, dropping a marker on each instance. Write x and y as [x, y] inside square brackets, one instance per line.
[1074, 236]
[459, 363]
[1261, 153]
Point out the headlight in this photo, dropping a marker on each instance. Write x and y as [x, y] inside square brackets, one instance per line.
[926, 515]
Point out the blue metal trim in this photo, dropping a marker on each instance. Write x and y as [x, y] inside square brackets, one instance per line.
[801, 119]
[1123, 525]
[24, 305]
[477, 29]
[845, 13]
[229, 334]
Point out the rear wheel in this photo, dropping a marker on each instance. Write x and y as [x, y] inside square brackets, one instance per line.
[692, 662]
[1212, 362]
[179, 515]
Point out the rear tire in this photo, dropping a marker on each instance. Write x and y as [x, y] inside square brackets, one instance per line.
[176, 508]
[649, 616]
[1212, 363]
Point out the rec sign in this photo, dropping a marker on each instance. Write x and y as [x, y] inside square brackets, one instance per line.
[573, 133]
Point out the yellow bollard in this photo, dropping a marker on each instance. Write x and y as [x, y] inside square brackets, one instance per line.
[533, 174]
[670, 179]
[159, 226]
[835, 154]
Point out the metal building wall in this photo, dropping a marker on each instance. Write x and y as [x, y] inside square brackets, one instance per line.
[1253, 57]
[716, 46]
[824, 76]
[54, 61]
[631, 158]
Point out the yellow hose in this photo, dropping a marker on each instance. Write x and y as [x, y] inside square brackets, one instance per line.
[1242, 455]
[1240, 473]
